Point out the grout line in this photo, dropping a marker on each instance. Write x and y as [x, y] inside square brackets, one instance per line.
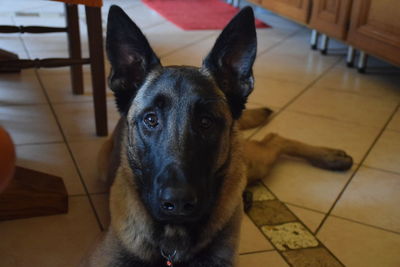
[366, 224]
[353, 123]
[257, 251]
[187, 45]
[38, 144]
[67, 144]
[356, 170]
[307, 87]
[303, 207]
[290, 35]
[380, 169]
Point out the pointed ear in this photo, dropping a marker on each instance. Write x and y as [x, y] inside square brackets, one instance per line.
[231, 60]
[130, 55]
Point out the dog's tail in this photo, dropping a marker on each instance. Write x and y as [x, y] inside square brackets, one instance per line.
[252, 118]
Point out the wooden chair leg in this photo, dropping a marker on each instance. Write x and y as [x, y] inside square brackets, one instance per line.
[74, 44]
[95, 33]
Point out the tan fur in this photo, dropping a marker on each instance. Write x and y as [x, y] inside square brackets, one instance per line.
[252, 118]
[133, 226]
[250, 160]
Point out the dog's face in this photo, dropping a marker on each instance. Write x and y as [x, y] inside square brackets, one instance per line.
[180, 120]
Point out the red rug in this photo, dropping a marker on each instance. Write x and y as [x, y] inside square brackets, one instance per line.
[197, 14]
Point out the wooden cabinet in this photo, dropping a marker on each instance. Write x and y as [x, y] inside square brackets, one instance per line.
[372, 26]
[298, 10]
[331, 17]
[375, 28]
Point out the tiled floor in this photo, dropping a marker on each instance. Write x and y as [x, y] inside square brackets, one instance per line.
[352, 215]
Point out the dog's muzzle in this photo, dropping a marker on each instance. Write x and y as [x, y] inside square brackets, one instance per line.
[178, 202]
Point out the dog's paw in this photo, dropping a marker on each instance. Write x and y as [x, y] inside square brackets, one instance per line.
[334, 159]
[252, 118]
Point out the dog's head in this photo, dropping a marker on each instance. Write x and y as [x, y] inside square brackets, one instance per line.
[180, 120]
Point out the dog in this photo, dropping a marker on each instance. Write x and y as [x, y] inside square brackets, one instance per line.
[176, 160]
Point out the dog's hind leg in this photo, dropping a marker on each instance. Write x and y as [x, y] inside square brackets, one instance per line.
[260, 155]
[252, 118]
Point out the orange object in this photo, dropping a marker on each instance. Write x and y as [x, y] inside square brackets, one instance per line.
[7, 159]
[93, 3]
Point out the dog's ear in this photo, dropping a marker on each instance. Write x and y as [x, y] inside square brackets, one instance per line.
[231, 60]
[130, 55]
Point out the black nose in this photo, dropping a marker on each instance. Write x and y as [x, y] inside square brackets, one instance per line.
[178, 201]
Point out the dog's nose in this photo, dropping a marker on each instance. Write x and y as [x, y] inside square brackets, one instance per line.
[178, 201]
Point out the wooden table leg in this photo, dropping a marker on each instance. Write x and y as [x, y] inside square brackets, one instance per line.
[31, 193]
[95, 32]
[74, 44]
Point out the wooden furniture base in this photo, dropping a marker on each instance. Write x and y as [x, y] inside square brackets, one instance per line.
[32, 194]
[7, 55]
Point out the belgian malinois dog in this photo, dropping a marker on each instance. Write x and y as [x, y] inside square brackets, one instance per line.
[176, 160]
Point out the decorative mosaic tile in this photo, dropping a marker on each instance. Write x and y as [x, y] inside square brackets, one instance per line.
[290, 236]
[260, 192]
[284, 230]
[311, 257]
[270, 212]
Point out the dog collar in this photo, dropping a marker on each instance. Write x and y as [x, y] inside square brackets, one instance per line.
[168, 257]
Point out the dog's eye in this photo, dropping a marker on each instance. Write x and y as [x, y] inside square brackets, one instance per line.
[151, 120]
[205, 122]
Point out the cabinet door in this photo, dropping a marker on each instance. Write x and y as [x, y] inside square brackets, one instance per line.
[375, 28]
[331, 17]
[298, 10]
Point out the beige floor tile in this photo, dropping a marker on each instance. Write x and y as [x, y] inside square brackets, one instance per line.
[86, 154]
[30, 124]
[348, 80]
[143, 16]
[293, 61]
[271, 92]
[53, 20]
[77, 119]
[122, 3]
[13, 6]
[278, 23]
[267, 38]
[395, 122]
[386, 152]
[57, 83]
[310, 218]
[360, 246]
[59, 240]
[192, 55]
[47, 8]
[357, 109]
[251, 238]
[21, 88]
[101, 204]
[372, 198]
[12, 42]
[166, 37]
[319, 131]
[262, 259]
[52, 159]
[52, 45]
